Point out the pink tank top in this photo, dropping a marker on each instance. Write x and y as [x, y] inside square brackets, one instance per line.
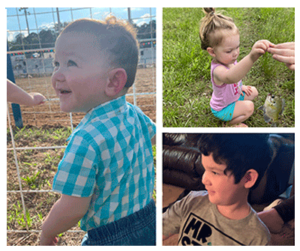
[225, 94]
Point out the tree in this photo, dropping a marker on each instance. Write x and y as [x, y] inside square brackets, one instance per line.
[46, 38]
[144, 31]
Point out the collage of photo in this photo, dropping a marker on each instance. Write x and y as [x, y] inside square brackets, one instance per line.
[157, 126]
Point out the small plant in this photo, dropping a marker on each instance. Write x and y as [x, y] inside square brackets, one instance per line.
[49, 158]
[16, 215]
[31, 181]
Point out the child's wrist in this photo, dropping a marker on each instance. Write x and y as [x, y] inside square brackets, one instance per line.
[47, 240]
[47, 235]
[254, 57]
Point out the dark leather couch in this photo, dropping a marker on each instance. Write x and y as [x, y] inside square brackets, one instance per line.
[182, 165]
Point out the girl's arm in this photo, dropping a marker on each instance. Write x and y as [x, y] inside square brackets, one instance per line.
[238, 71]
[65, 213]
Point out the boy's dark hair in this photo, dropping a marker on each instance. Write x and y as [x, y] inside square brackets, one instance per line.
[117, 38]
[240, 152]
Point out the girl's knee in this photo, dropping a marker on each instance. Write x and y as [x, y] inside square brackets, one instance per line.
[249, 108]
[255, 92]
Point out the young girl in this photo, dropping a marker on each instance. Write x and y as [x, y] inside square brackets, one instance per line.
[231, 101]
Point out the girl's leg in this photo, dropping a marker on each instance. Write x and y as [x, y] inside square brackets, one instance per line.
[242, 111]
[253, 95]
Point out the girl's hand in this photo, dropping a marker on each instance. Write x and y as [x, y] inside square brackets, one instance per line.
[247, 90]
[260, 48]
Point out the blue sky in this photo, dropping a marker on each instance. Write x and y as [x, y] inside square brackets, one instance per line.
[40, 18]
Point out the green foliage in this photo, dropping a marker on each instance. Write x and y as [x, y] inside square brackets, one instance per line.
[34, 134]
[16, 216]
[186, 67]
[32, 181]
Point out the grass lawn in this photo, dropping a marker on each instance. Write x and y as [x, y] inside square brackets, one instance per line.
[186, 67]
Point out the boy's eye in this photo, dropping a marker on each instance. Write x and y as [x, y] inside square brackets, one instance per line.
[71, 63]
[215, 173]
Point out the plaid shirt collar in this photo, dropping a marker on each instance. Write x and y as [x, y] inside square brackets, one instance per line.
[103, 111]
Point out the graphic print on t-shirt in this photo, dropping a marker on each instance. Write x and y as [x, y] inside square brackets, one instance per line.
[198, 232]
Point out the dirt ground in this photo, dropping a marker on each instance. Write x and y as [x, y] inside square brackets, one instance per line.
[38, 167]
[49, 113]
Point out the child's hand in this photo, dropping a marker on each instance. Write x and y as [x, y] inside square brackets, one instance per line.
[17, 95]
[247, 89]
[47, 241]
[37, 98]
[260, 48]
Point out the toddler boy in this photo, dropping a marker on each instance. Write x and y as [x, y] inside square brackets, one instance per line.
[221, 215]
[106, 176]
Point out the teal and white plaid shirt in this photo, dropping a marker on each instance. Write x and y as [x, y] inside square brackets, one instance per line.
[109, 157]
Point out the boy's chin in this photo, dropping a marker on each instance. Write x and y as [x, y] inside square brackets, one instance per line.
[67, 109]
[63, 109]
[212, 199]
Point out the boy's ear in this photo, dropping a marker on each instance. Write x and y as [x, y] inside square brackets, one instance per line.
[116, 81]
[250, 178]
[210, 51]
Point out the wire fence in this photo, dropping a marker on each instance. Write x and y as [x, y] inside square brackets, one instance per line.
[31, 50]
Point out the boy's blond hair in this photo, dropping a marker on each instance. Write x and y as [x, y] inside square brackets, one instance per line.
[117, 40]
[211, 23]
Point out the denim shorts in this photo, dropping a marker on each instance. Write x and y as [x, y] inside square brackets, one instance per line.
[138, 228]
[226, 113]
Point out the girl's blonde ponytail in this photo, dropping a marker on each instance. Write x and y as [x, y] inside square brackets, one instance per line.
[211, 22]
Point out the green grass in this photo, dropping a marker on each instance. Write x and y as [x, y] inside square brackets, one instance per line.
[186, 67]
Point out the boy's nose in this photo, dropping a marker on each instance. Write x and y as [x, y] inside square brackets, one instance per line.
[58, 76]
[205, 179]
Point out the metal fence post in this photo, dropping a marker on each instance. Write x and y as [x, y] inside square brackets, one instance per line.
[15, 107]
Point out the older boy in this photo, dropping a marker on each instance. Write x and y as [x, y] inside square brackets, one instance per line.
[233, 164]
[106, 176]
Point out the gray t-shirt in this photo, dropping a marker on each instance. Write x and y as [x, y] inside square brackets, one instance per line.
[199, 222]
